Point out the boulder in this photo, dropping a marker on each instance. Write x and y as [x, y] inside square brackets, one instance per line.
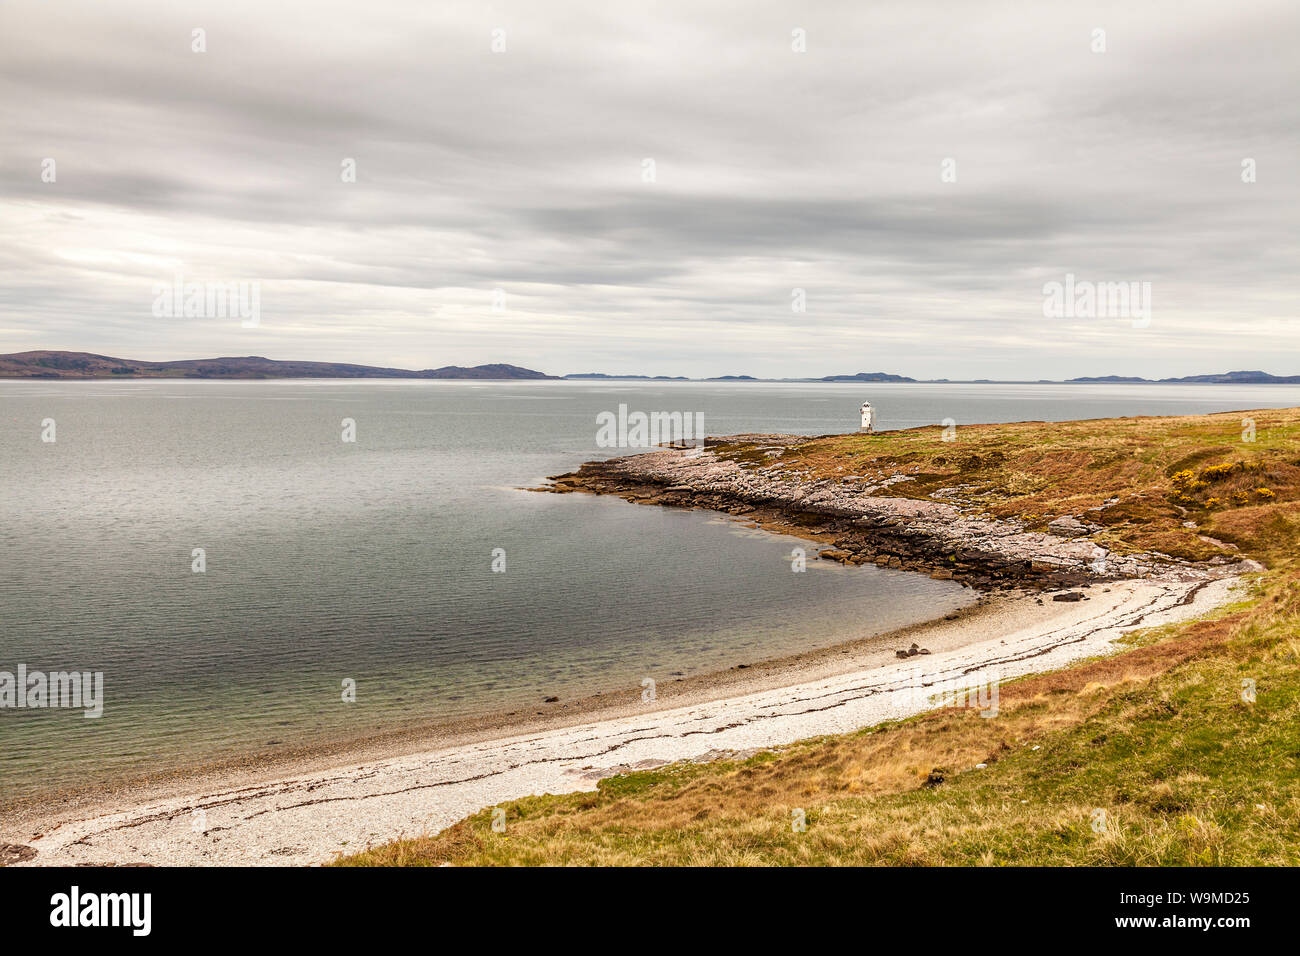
[1067, 526]
[11, 853]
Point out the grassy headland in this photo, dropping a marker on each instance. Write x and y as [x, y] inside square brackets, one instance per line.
[1180, 749]
[1142, 478]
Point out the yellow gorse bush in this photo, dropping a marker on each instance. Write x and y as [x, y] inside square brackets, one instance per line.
[1217, 472]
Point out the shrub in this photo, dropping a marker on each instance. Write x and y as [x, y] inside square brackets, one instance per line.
[1219, 472]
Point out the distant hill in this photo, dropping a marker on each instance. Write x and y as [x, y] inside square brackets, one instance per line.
[600, 376]
[1239, 378]
[497, 371]
[1224, 378]
[1109, 379]
[866, 377]
[51, 364]
[56, 364]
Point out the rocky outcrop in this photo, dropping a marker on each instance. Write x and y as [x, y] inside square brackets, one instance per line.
[1069, 527]
[866, 524]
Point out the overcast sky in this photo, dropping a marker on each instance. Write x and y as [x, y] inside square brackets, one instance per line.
[774, 170]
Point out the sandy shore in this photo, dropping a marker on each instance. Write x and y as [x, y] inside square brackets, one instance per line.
[308, 815]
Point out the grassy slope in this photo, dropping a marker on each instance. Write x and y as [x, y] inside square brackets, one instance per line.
[1156, 737]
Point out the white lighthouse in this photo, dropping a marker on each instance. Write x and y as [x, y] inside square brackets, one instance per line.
[868, 417]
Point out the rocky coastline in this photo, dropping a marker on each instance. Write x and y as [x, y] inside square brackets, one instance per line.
[863, 523]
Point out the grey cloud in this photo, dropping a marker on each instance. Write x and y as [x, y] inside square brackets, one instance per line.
[775, 170]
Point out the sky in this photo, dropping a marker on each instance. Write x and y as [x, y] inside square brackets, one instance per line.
[681, 188]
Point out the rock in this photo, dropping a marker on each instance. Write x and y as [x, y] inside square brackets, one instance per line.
[551, 700]
[924, 650]
[943, 574]
[834, 554]
[15, 853]
[900, 654]
[1067, 526]
[936, 777]
[1068, 596]
[912, 651]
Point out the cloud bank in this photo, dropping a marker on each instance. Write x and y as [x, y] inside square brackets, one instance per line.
[918, 170]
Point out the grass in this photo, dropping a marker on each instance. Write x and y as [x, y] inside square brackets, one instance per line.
[1139, 478]
[1150, 756]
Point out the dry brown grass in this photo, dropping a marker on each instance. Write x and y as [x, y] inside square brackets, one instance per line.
[1119, 473]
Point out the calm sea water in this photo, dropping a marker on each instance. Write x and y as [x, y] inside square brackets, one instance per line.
[371, 561]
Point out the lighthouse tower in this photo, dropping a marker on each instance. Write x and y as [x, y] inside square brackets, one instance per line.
[868, 417]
